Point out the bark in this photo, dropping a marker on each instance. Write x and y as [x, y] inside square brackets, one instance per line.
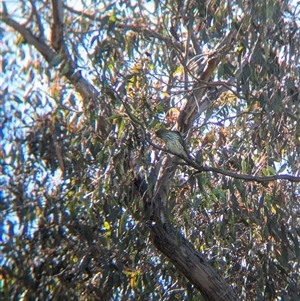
[190, 263]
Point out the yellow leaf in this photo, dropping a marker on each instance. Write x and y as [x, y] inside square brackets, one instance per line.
[178, 71]
[106, 226]
[165, 94]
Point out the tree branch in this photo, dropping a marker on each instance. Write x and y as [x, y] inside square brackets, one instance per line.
[87, 90]
[38, 19]
[140, 29]
[205, 168]
[190, 263]
[57, 34]
[194, 105]
[249, 177]
[226, 172]
[40, 45]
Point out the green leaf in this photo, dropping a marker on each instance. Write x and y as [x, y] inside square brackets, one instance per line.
[65, 69]
[122, 224]
[121, 127]
[220, 70]
[56, 60]
[244, 167]
[269, 171]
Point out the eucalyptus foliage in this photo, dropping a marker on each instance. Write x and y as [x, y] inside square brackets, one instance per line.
[86, 84]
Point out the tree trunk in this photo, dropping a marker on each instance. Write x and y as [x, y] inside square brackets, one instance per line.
[190, 263]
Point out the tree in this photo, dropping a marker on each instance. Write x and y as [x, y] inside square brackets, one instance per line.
[94, 207]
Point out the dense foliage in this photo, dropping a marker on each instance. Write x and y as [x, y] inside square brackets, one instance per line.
[85, 87]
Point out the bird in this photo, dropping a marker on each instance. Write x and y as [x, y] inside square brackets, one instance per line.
[174, 142]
